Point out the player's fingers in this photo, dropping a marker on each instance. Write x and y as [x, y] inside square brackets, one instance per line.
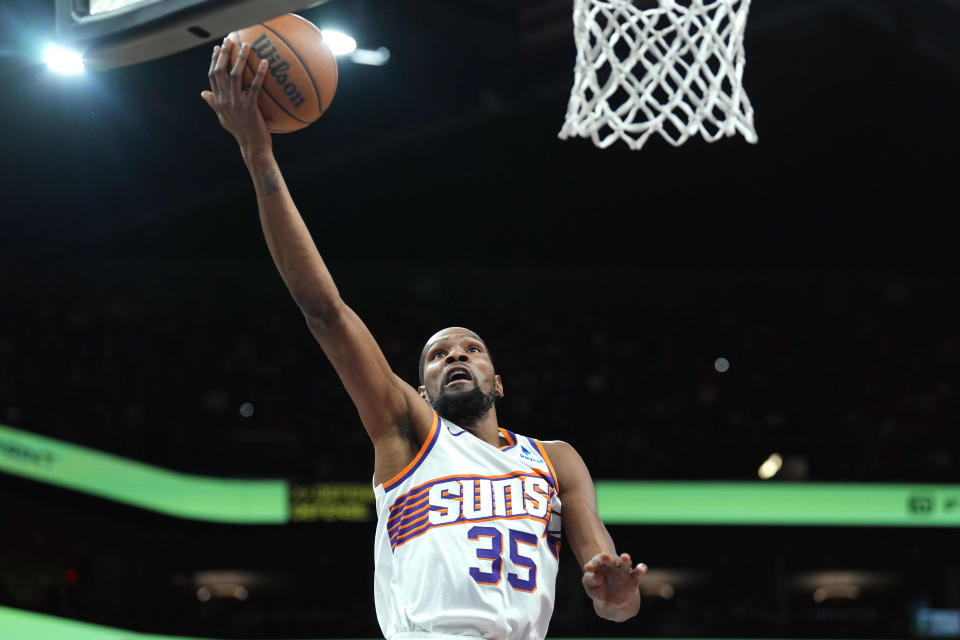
[220, 68]
[213, 67]
[592, 580]
[236, 73]
[637, 573]
[209, 99]
[594, 562]
[626, 561]
[258, 79]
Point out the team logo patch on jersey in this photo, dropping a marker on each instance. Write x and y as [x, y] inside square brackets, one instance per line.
[530, 456]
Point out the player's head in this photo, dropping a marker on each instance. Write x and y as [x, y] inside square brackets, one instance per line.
[457, 376]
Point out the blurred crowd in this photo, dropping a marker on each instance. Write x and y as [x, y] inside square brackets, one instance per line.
[649, 375]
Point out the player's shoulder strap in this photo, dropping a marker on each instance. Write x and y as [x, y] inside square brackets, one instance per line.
[534, 453]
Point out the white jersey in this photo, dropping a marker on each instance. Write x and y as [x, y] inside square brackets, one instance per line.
[480, 567]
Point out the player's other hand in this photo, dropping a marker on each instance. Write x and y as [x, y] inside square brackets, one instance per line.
[613, 581]
[236, 107]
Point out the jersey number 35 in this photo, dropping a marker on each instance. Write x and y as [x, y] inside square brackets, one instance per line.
[494, 553]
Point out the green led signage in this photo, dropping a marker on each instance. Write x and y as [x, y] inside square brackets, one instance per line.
[620, 502]
[141, 485]
[779, 503]
[332, 502]
[18, 624]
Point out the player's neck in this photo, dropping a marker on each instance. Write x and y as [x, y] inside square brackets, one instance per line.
[485, 427]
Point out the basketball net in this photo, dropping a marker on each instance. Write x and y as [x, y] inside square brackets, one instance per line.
[674, 69]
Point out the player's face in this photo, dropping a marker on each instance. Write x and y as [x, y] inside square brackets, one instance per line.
[458, 376]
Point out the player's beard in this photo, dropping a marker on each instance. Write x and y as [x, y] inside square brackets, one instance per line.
[463, 408]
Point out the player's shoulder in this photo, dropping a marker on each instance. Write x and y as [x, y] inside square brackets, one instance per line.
[558, 447]
[569, 467]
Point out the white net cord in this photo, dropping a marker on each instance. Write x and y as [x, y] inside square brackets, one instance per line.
[675, 69]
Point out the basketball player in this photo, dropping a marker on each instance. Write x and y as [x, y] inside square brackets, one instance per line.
[468, 536]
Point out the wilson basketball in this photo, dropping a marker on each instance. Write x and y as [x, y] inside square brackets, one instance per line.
[302, 73]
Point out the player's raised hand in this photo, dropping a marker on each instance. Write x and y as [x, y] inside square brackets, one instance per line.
[613, 581]
[236, 107]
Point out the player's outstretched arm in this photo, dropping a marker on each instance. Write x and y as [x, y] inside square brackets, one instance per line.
[392, 412]
[610, 579]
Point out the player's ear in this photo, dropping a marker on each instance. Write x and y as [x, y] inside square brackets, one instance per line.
[422, 390]
[497, 386]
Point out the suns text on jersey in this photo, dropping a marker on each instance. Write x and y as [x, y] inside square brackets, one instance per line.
[451, 501]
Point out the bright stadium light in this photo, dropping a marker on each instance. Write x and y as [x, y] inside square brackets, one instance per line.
[770, 467]
[375, 57]
[63, 60]
[340, 43]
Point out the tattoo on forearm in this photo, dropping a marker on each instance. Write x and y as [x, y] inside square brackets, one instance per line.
[271, 183]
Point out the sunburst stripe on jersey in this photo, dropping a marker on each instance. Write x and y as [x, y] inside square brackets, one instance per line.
[406, 515]
[419, 505]
[422, 529]
[407, 518]
[412, 524]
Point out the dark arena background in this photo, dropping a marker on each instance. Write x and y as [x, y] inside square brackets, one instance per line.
[178, 459]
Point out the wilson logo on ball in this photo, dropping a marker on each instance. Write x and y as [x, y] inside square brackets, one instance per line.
[278, 68]
[302, 76]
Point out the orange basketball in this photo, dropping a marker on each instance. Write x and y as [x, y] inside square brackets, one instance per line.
[302, 73]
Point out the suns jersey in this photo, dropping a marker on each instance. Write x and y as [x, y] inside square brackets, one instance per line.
[468, 540]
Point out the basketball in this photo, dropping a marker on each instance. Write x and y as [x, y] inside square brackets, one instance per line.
[302, 75]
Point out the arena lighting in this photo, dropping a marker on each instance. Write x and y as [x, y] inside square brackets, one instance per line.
[656, 590]
[222, 590]
[836, 592]
[60, 60]
[224, 584]
[339, 42]
[373, 57]
[842, 579]
[933, 623]
[105, 6]
[770, 466]
[342, 44]
[620, 501]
